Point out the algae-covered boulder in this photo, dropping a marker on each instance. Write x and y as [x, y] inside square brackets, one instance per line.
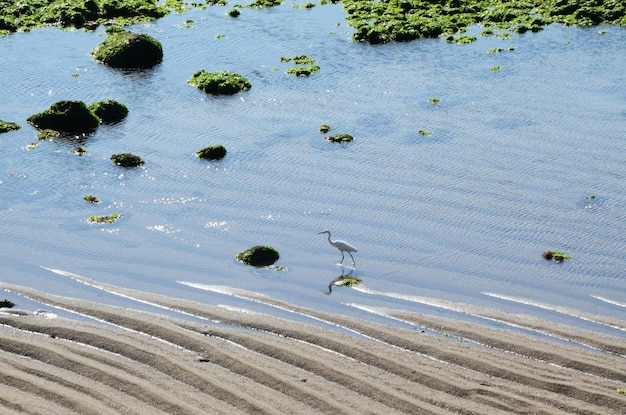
[216, 152]
[220, 83]
[5, 126]
[65, 117]
[122, 49]
[258, 256]
[109, 111]
[127, 160]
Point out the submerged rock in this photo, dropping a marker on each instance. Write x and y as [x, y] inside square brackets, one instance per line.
[127, 160]
[65, 117]
[122, 49]
[109, 111]
[216, 152]
[220, 83]
[258, 256]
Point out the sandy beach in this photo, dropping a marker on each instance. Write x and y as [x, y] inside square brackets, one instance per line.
[133, 362]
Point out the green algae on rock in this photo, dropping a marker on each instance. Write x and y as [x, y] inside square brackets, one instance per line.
[47, 134]
[66, 117]
[27, 14]
[381, 21]
[104, 218]
[216, 152]
[305, 65]
[340, 138]
[325, 128]
[109, 111]
[91, 199]
[79, 150]
[127, 50]
[6, 126]
[258, 256]
[127, 160]
[220, 83]
[258, 4]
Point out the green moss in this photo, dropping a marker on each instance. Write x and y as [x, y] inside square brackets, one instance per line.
[557, 256]
[216, 152]
[5, 126]
[109, 111]
[424, 132]
[66, 117]
[220, 83]
[258, 256]
[104, 218]
[340, 138]
[303, 70]
[434, 100]
[129, 50]
[127, 160]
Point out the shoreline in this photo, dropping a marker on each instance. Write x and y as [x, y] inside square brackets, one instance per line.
[140, 362]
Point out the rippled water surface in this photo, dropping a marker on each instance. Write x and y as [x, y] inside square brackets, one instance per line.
[462, 214]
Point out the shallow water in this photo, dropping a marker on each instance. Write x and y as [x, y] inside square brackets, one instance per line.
[461, 215]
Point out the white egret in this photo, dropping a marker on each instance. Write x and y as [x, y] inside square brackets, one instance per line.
[342, 246]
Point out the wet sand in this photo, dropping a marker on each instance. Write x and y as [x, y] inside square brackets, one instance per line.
[251, 363]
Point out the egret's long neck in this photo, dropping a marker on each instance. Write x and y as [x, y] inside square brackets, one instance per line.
[329, 241]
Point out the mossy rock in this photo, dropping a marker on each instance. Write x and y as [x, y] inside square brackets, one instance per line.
[5, 126]
[216, 152]
[127, 160]
[259, 4]
[6, 303]
[220, 83]
[129, 51]
[340, 138]
[325, 128]
[109, 111]
[258, 256]
[91, 199]
[65, 117]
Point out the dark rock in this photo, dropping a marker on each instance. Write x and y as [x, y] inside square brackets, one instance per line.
[66, 117]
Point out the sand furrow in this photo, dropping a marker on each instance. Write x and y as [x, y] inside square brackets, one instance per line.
[286, 366]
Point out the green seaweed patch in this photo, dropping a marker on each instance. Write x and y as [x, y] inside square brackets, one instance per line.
[303, 71]
[66, 117]
[47, 134]
[340, 138]
[32, 146]
[494, 50]
[127, 160]
[109, 111]
[434, 100]
[258, 256]
[424, 132]
[325, 128]
[79, 150]
[91, 199]
[381, 21]
[220, 83]
[216, 152]
[104, 218]
[187, 24]
[6, 303]
[6, 126]
[495, 68]
[557, 256]
[304, 65]
[260, 4]
[127, 50]
[234, 12]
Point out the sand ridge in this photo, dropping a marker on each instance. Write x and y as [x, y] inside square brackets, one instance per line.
[140, 362]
